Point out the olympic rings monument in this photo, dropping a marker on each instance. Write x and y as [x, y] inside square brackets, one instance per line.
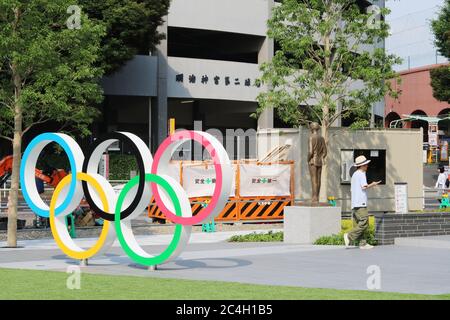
[118, 210]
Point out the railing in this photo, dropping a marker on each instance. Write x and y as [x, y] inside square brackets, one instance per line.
[23, 207]
[420, 60]
[428, 193]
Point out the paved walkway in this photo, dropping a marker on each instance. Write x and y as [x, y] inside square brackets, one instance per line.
[209, 257]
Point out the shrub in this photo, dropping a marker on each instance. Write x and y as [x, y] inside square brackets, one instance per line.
[347, 225]
[120, 166]
[259, 237]
[333, 240]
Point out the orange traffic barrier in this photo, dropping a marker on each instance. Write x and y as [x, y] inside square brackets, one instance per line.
[229, 213]
[263, 208]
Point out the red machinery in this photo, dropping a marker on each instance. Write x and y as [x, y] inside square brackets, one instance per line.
[50, 176]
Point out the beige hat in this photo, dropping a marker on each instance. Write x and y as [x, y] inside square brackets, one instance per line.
[361, 161]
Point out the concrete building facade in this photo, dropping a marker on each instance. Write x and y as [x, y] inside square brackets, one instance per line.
[204, 71]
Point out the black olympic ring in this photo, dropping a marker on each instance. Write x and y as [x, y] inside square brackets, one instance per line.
[90, 165]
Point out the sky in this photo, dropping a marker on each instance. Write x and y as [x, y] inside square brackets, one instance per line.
[411, 34]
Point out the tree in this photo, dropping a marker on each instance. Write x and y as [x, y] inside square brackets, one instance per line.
[47, 73]
[322, 70]
[440, 82]
[441, 30]
[440, 77]
[131, 27]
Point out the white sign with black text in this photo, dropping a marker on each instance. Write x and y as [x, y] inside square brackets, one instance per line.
[401, 198]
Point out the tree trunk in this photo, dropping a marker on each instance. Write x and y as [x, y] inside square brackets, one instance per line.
[17, 156]
[14, 192]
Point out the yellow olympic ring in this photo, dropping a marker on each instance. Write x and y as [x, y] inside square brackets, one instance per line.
[75, 254]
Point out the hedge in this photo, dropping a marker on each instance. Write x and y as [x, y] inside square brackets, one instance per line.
[259, 237]
[335, 240]
[347, 225]
[120, 165]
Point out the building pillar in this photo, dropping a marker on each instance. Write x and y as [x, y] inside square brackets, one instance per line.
[266, 119]
[159, 105]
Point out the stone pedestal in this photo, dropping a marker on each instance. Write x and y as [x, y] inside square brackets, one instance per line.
[304, 225]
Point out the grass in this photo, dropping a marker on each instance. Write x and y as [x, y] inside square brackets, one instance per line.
[45, 285]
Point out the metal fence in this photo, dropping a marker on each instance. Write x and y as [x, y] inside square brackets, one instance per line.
[430, 197]
[420, 60]
[23, 207]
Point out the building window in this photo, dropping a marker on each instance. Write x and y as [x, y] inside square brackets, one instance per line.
[377, 166]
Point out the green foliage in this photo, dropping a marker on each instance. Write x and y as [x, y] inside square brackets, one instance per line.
[347, 225]
[440, 77]
[335, 240]
[259, 237]
[312, 76]
[441, 30]
[47, 69]
[360, 124]
[440, 81]
[131, 28]
[57, 161]
[121, 165]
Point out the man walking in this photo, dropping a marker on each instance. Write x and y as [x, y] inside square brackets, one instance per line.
[359, 204]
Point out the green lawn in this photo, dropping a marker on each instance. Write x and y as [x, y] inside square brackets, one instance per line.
[42, 285]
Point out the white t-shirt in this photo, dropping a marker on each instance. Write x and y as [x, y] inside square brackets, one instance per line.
[359, 195]
[440, 183]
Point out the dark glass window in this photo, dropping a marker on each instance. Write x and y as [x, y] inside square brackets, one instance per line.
[377, 166]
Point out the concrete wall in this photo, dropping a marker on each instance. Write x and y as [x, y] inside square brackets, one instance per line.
[403, 162]
[392, 226]
[237, 91]
[219, 15]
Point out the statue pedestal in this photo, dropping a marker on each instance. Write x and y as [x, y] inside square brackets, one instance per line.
[306, 224]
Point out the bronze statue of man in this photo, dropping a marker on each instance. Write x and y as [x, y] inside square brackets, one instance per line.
[317, 153]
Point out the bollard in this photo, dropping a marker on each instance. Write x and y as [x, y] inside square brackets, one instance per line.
[209, 227]
[332, 201]
[445, 203]
[72, 232]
